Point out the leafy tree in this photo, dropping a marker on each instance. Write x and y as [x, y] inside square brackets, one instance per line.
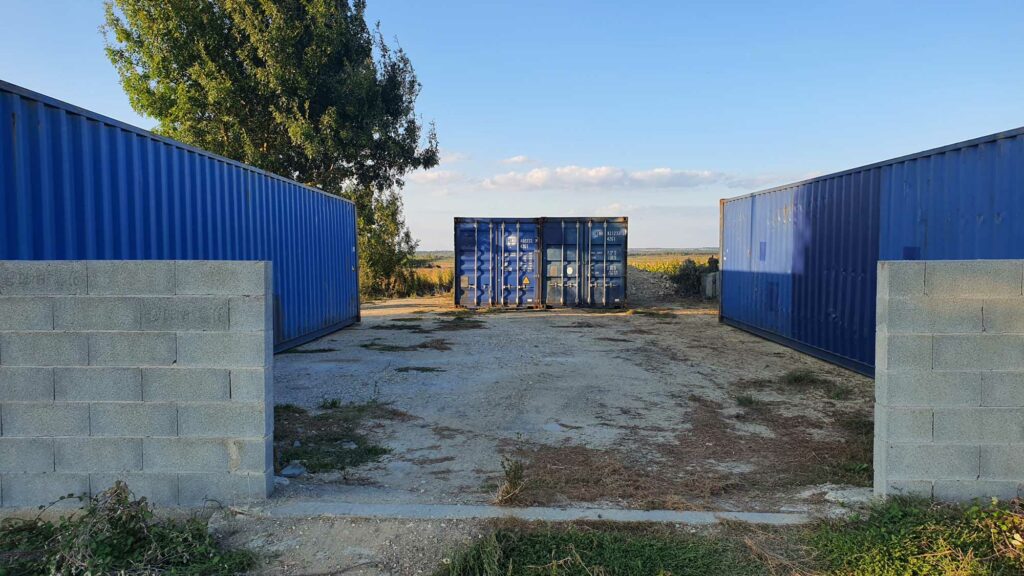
[302, 88]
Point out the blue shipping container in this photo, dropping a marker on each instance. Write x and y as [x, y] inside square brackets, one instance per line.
[799, 261]
[496, 262]
[534, 262]
[75, 185]
[584, 262]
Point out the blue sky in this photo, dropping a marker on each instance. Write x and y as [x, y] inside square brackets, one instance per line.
[653, 110]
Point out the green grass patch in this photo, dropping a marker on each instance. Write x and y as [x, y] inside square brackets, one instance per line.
[115, 534]
[579, 550]
[329, 440]
[916, 537]
[801, 377]
[416, 320]
[458, 323]
[748, 401]
[403, 326]
[378, 346]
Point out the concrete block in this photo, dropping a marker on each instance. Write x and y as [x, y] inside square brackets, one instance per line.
[1003, 462]
[26, 455]
[933, 461]
[1004, 315]
[96, 313]
[207, 454]
[974, 278]
[223, 419]
[20, 384]
[91, 384]
[979, 425]
[138, 419]
[881, 387]
[132, 348]
[979, 352]
[967, 490]
[250, 314]
[900, 278]
[45, 419]
[97, 454]
[221, 277]
[42, 277]
[932, 388]
[157, 489]
[909, 425]
[199, 489]
[185, 313]
[253, 385]
[186, 384]
[40, 489]
[131, 277]
[904, 352]
[934, 316]
[922, 488]
[1002, 389]
[26, 313]
[43, 349]
[222, 349]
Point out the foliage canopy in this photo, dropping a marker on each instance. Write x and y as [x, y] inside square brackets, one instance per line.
[302, 88]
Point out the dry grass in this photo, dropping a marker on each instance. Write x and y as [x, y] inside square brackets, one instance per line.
[712, 460]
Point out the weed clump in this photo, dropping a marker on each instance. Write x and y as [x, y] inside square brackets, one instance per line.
[513, 483]
[330, 404]
[801, 377]
[115, 534]
[748, 401]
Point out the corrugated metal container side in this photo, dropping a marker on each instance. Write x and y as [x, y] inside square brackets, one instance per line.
[799, 261]
[496, 262]
[584, 261]
[75, 185]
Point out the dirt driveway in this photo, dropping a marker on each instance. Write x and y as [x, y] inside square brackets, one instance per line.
[650, 408]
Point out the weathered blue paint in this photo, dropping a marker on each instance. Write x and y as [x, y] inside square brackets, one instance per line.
[496, 261]
[75, 185]
[584, 261]
[799, 261]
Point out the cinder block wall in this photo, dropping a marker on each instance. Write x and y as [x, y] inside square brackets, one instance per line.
[154, 372]
[949, 382]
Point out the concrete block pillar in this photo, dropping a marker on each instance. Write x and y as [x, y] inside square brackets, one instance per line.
[949, 379]
[158, 373]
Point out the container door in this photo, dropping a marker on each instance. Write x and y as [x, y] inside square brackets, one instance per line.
[517, 245]
[473, 259]
[607, 264]
[562, 273]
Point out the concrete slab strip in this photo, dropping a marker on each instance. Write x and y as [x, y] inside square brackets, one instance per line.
[306, 509]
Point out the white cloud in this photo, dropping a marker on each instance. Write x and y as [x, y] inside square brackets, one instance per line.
[437, 177]
[573, 177]
[451, 156]
[518, 159]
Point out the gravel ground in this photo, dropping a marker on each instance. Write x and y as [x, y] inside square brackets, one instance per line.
[350, 546]
[641, 405]
[645, 403]
[648, 288]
